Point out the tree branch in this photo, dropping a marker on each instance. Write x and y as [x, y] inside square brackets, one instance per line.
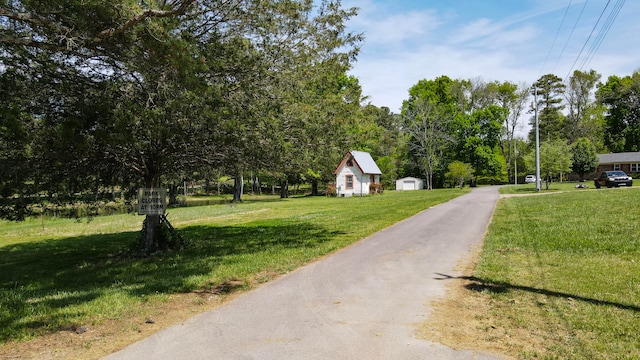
[72, 38]
[149, 13]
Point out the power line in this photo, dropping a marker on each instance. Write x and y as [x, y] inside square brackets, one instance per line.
[570, 36]
[589, 38]
[603, 33]
[556, 37]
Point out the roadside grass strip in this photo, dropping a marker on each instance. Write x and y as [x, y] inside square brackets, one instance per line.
[565, 270]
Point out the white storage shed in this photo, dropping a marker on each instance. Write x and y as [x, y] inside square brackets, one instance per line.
[409, 183]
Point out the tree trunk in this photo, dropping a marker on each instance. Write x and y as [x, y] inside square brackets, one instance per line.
[238, 183]
[314, 187]
[429, 177]
[150, 234]
[185, 188]
[257, 188]
[173, 194]
[284, 189]
[547, 180]
[151, 226]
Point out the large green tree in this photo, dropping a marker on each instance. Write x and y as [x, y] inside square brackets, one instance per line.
[131, 93]
[621, 96]
[317, 100]
[582, 118]
[381, 135]
[555, 160]
[583, 157]
[477, 137]
[428, 119]
[16, 132]
[459, 172]
[548, 91]
[513, 98]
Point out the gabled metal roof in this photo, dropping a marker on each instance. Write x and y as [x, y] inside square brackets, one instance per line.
[617, 158]
[363, 161]
[366, 163]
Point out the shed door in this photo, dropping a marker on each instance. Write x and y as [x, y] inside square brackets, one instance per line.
[409, 185]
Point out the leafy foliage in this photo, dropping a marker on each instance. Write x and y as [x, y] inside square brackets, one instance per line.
[555, 160]
[459, 172]
[427, 120]
[549, 89]
[583, 157]
[133, 94]
[581, 120]
[621, 96]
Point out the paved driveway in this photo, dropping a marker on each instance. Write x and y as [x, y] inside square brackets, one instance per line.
[361, 303]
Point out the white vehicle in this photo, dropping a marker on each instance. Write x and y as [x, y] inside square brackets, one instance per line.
[530, 179]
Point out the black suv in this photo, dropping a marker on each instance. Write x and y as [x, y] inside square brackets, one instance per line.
[613, 178]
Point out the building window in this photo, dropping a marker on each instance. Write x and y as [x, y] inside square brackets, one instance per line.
[349, 162]
[349, 181]
[616, 167]
[635, 168]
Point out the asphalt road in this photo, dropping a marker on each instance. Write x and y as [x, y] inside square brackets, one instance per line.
[363, 302]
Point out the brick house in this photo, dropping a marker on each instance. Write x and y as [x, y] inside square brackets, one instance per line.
[629, 162]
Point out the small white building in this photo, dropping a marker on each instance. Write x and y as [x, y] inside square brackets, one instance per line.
[356, 174]
[409, 183]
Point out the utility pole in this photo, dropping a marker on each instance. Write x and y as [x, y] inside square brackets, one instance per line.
[515, 162]
[535, 104]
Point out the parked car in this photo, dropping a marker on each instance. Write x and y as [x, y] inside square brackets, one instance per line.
[613, 178]
[530, 179]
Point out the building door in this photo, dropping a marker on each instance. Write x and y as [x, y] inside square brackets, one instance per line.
[408, 185]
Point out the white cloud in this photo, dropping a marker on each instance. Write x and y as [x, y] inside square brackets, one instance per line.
[489, 36]
[397, 29]
[475, 30]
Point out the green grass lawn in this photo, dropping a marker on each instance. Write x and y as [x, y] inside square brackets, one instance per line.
[562, 269]
[58, 274]
[565, 270]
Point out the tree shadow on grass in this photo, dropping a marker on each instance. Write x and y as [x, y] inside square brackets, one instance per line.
[483, 285]
[44, 285]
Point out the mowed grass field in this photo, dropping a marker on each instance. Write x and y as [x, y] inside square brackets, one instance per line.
[67, 276]
[558, 277]
[561, 274]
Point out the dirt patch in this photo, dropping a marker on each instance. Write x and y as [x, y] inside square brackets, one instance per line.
[502, 196]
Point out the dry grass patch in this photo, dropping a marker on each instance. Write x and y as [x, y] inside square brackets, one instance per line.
[468, 318]
[107, 336]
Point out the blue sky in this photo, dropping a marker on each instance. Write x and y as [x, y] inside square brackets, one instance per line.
[504, 40]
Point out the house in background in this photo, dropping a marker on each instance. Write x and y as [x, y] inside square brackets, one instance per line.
[409, 183]
[357, 174]
[629, 162]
